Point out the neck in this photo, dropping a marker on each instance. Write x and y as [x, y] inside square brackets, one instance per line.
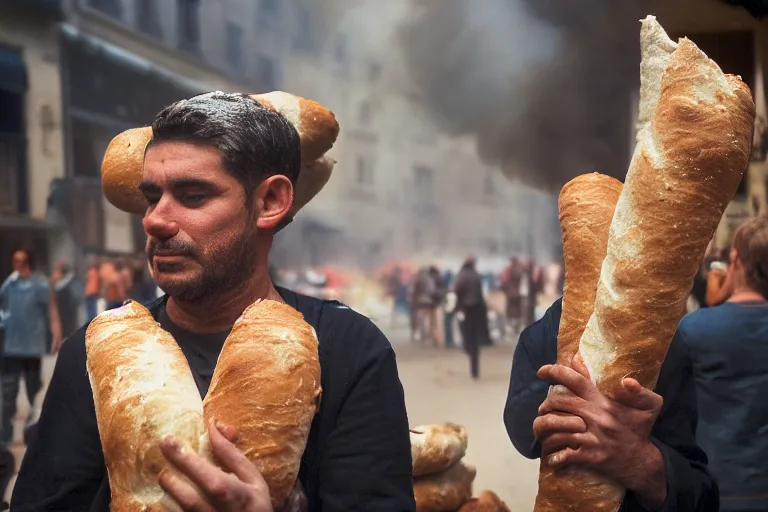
[24, 274]
[743, 293]
[218, 312]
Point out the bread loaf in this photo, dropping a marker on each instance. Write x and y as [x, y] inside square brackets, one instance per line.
[317, 126]
[143, 390]
[267, 384]
[122, 167]
[435, 448]
[692, 148]
[486, 501]
[586, 207]
[446, 491]
[123, 163]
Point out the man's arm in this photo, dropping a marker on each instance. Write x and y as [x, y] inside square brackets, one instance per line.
[366, 464]
[536, 347]
[54, 317]
[63, 466]
[691, 487]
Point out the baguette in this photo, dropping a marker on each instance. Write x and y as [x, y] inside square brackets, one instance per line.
[446, 491]
[693, 146]
[435, 448]
[123, 164]
[267, 384]
[317, 126]
[586, 207]
[143, 390]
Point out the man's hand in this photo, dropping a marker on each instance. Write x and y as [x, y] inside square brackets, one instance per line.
[237, 486]
[56, 340]
[586, 428]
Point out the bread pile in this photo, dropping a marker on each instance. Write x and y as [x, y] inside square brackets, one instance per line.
[123, 162]
[442, 481]
[143, 391]
[631, 253]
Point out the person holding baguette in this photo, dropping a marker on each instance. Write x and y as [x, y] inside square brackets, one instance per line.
[645, 440]
[218, 179]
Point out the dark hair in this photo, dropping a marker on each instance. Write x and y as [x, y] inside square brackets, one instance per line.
[255, 142]
[31, 260]
[751, 244]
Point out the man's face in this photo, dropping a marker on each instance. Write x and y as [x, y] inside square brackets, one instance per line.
[20, 262]
[201, 236]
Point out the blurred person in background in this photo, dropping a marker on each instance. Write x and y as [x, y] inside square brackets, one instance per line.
[112, 282]
[92, 289]
[719, 280]
[449, 309]
[437, 314]
[32, 327]
[728, 347]
[397, 289]
[473, 313]
[511, 283]
[69, 297]
[422, 308]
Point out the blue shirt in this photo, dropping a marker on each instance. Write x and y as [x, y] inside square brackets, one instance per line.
[24, 303]
[728, 346]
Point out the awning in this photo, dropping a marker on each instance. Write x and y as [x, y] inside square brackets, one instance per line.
[13, 72]
[131, 60]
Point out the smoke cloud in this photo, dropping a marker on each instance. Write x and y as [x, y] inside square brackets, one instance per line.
[544, 85]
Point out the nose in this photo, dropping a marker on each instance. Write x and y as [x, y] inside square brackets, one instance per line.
[159, 220]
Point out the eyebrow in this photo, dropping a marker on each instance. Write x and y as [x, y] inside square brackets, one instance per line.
[147, 186]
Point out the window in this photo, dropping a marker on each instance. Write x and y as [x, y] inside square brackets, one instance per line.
[268, 13]
[146, 18]
[423, 184]
[267, 74]
[189, 25]
[110, 7]
[235, 45]
[304, 40]
[364, 113]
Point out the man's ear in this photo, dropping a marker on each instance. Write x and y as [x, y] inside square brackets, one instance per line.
[273, 199]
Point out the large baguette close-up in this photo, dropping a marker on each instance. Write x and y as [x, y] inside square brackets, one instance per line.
[693, 146]
[586, 207]
[267, 384]
[143, 391]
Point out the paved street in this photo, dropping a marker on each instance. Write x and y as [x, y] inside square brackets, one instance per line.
[438, 388]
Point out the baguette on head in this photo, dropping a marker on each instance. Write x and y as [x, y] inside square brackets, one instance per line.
[123, 164]
[143, 391]
[267, 384]
[692, 148]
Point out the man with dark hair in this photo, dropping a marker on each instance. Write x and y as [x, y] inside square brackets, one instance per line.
[32, 327]
[729, 354]
[218, 177]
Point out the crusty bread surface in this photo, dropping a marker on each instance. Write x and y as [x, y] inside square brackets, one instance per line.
[486, 501]
[435, 448]
[446, 491]
[143, 391]
[267, 384]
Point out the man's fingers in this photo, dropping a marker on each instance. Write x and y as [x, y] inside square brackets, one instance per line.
[199, 471]
[571, 379]
[560, 441]
[182, 492]
[633, 395]
[549, 424]
[577, 363]
[562, 458]
[231, 458]
[569, 404]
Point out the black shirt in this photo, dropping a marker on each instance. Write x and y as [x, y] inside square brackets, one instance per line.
[358, 455]
[690, 487]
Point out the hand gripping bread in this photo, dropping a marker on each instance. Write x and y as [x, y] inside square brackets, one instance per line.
[586, 205]
[318, 129]
[435, 448]
[267, 384]
[446, 491]
[486, 501]
[692, 148]
[143, 390]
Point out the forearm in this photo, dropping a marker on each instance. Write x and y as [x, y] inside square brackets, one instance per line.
[649, 481]
[53, 314]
